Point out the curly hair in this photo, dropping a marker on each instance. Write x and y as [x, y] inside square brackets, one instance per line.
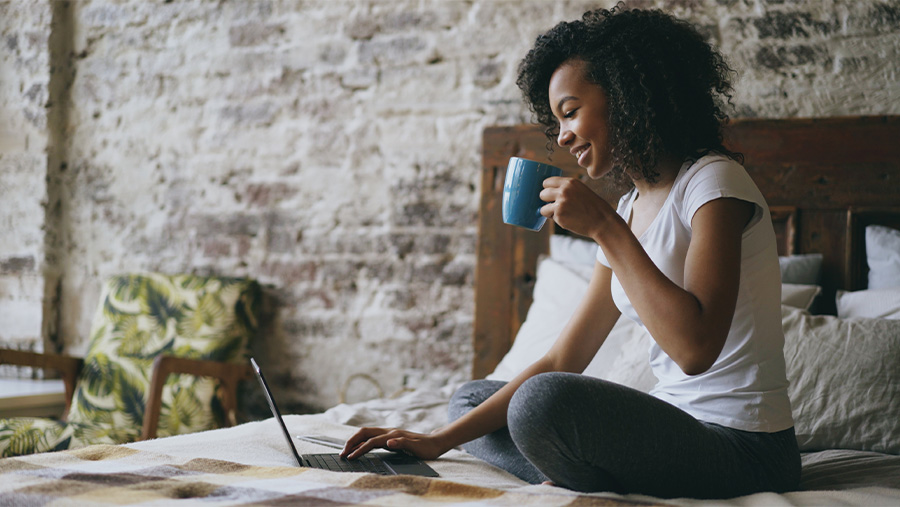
[664, 84]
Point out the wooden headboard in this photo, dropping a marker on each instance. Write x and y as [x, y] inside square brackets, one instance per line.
[825, 180]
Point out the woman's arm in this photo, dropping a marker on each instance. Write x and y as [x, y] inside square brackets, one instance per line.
[573, 350]
[690, 324]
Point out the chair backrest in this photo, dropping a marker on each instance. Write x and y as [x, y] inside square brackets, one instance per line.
[143, 316]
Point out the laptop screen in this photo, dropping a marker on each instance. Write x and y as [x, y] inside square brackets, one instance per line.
[275, 411]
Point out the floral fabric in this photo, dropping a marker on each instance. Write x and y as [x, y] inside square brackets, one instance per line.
[139, 318]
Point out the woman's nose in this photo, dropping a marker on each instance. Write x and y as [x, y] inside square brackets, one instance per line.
[565, 137]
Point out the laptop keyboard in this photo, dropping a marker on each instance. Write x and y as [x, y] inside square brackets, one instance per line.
[338, 464]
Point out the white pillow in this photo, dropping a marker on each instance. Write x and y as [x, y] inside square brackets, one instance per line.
[557, 293]
[871, 304]
[883, 256]
[799, 296]
[844, 374]
[800, 269]
[632, 366]
[844, 381]
[608, 358]
[569, 250]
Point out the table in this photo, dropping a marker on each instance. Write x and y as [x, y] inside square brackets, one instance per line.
[31, 397]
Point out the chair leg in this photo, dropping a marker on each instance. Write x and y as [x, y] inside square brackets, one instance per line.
[154, 399]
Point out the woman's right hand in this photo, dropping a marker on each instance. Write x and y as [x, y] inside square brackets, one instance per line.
[422, 446]
[575, 207]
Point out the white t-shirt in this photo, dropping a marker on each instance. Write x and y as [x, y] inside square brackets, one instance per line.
[746, 388]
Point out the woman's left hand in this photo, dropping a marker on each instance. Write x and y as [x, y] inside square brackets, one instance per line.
[574, 206]
[420, 445]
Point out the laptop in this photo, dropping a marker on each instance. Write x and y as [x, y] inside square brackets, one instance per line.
[384, 463]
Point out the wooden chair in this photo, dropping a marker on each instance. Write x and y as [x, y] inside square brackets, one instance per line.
[165, 358]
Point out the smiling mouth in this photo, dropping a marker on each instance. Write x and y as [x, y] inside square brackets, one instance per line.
[580, 151]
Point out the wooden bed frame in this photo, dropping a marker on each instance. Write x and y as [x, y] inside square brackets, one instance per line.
[825, 180]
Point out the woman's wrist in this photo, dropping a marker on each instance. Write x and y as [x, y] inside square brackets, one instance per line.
[442, 440]
[606, 228]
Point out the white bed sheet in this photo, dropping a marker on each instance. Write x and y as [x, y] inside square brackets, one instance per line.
[837, 477]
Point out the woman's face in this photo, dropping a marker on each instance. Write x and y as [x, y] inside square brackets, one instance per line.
[580, 108]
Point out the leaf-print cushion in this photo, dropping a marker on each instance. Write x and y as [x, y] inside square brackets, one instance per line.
[140, 317]
[26, 435]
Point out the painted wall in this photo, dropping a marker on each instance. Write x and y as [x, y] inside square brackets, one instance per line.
[330, 149]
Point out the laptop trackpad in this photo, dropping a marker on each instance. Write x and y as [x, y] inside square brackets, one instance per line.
[406, 464]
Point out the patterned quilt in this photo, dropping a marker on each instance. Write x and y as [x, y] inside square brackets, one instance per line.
[118, 475]
[251, 464]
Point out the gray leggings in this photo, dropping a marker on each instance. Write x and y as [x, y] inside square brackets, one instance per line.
[588, 434]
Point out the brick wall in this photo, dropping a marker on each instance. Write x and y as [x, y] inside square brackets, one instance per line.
[24, 93]
[331, 149]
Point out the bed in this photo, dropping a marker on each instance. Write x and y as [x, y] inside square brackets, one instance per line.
[830, 183]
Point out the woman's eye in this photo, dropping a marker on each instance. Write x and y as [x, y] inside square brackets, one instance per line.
[570, 113]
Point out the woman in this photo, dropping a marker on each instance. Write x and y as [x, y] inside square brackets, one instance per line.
[690, 255]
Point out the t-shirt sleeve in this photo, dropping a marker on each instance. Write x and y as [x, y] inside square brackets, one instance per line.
[720, 178]
[601, 258]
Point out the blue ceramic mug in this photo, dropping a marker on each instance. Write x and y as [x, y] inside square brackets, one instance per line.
[524, 182]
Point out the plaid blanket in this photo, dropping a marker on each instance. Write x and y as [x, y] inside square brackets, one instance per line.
[118, 475]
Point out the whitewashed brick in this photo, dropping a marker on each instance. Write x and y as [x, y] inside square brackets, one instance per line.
[331, 149]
